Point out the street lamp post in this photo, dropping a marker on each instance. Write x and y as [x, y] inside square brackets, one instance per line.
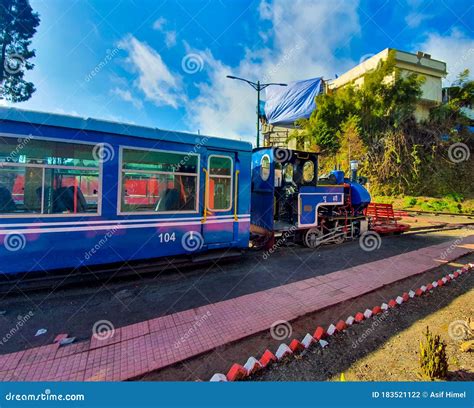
[258, 87]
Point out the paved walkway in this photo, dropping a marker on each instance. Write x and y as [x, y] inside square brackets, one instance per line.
[137, 349]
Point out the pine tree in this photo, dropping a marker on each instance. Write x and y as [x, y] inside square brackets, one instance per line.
[18, 24]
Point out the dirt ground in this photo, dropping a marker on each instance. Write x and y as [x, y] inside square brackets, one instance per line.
[386, 348]
[419, 221]
[397, 359]
[339, 356]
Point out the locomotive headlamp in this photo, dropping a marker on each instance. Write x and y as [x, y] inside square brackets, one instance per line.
[354, 165]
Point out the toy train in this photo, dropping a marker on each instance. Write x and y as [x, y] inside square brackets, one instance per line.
[78, 193]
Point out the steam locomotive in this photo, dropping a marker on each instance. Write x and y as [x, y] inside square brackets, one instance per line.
[79, 193]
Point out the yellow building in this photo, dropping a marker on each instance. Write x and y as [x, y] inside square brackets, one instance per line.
[420, 63]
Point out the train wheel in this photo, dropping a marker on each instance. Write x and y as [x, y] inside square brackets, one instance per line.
[340, 239]
[311, 237]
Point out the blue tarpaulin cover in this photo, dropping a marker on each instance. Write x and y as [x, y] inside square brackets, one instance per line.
[285, 104]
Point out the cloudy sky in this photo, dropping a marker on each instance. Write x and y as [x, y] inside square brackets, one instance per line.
[163, 63]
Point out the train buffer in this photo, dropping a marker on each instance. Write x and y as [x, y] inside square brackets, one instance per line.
[382, 219]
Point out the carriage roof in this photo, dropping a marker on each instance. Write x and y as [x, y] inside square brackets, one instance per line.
[117, 128]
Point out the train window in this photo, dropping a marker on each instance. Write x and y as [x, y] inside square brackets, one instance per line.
[308, 172]
[157, 181]
[47, 177]
[220, 183]
[288, 172]
[265, 167]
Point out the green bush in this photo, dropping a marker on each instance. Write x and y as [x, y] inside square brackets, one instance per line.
[409, 201]
[433, 360]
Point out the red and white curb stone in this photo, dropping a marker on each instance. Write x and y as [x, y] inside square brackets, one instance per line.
[238, 372]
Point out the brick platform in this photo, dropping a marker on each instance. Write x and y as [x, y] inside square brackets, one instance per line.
[139, 348]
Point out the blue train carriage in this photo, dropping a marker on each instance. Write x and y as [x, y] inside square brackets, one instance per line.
[289, 200]
[80, 192]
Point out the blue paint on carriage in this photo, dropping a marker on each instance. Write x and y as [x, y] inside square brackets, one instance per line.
[313, 197]
[262, 190]
[69, 241]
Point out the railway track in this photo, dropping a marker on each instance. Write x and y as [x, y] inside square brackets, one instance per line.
[23, 283]
[11, 286]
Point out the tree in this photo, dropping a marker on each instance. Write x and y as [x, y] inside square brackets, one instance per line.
[18, 24]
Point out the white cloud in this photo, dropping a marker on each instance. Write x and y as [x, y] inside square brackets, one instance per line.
[155, 79]
[414, 19]
[170, 35]
[306, 38]
[456, 49]
[170, 38]
[127, 96]
[159, 23]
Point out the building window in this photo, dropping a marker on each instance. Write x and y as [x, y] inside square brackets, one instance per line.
[156, 181]
[46, 177]
[265, 167]
[220, 183]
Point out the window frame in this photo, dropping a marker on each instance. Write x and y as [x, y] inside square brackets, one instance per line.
[306, 163]
[265, 156]
[231, 177]
[99, 169]
[120, 180]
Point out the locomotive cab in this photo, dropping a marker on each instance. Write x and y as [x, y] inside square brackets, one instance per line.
[289, 200]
